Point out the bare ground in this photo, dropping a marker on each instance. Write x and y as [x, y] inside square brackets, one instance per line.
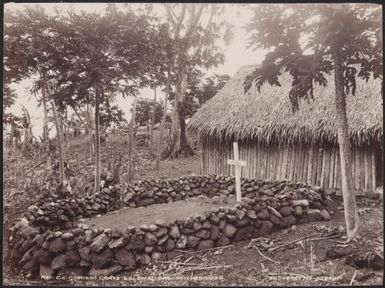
[167, 212]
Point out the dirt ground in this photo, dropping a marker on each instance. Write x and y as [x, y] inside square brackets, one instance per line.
[302, 263]
[168, 212]
[172, 169]
[144, 161]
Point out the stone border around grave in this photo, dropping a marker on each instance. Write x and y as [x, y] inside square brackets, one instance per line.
[50, 239]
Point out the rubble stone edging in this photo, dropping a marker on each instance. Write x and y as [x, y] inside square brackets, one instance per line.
[52, 240]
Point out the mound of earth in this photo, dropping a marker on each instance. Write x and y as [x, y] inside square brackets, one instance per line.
[168, 212]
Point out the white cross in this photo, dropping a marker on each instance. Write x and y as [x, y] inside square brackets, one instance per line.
[237, 166]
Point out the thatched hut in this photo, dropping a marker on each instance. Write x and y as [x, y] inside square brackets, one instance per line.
[279, 144]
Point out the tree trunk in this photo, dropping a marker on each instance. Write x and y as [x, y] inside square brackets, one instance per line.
[45, 120]
[351, 216]
[97, 141]
[66, 131]
[148, 130]
[131, 167]
[49, 163]
[169, 133]
[10, 141]
[45, 129]
[179, 145]
[27, 131]
[59, 141]
[159, 146]
[58, 130]
[92, 145]
[63, 135]
[92, 150]
[153, 122]
[116, 170]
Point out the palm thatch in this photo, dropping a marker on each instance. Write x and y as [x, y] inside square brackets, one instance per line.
[267, 115]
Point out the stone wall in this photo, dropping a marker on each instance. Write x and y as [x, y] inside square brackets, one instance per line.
[147, 192]
[53, 240]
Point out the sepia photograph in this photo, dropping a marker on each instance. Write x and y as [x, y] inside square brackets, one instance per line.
[193, 144]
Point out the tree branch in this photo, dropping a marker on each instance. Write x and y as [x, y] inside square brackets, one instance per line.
[194, 21]
[208, 25]
[180, 20]
[170, 14]
[65, 123]
[81, 120]
[193, 12]
[176, 21]
[88, 118]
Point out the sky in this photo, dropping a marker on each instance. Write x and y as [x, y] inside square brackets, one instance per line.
[236, 56]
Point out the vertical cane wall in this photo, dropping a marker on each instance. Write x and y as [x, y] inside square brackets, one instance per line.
[308, 163]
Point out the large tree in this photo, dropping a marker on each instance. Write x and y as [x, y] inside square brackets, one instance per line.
[309, 41]
[195, 33]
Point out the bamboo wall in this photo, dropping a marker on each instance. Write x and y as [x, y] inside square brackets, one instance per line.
[306, 163]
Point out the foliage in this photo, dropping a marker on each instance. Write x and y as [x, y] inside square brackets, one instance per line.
[301, 39]
[16, 63]
[80, 51]
[9, 97]
[21, 53]
[199, 90]
[211, 86]
[110, 115]
[30, 43]
[144, 109]
[104, 51]
[202, 90]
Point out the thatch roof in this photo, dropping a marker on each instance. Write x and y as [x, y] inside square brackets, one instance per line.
[267, 116]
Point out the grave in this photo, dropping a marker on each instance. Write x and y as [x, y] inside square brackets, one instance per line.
[167, 212]
[56, 236]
